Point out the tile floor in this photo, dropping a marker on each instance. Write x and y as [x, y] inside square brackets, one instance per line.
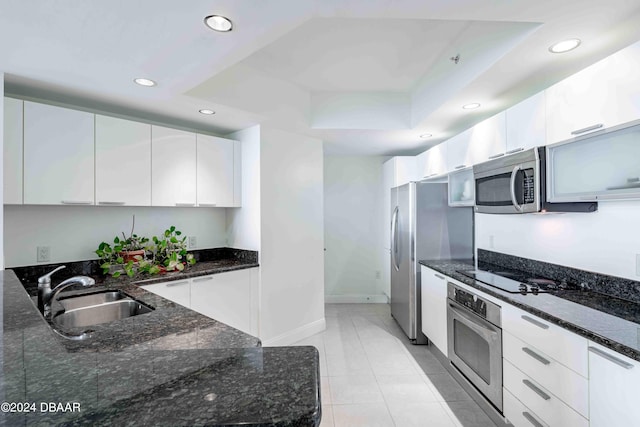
[372, 376]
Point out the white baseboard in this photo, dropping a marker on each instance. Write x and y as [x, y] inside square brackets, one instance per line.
[355, 299]
[297, 334]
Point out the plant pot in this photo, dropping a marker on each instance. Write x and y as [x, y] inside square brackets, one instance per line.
[130, 255]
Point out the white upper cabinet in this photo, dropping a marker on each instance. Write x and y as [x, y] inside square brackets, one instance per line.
[173, 167]
[123, 162]
[525, 124]
[215, 171]
[435, 162]
[484, 141]
[602, 166]
[602, 95]
[58, 155]
[12, 151]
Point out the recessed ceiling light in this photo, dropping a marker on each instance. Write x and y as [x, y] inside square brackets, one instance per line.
[426, 135]
[207, 112]
[218, 23]
[564, 46]
[471, 106]
[144, 82]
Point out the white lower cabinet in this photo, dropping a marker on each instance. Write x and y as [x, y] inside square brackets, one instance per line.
[434, 307]
[178, 291]
[614, 388]
[518, 414]
[542, 402]
[227, 297]
[230, 297]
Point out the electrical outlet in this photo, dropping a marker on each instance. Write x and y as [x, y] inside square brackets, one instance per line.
[378, 276]
[638, 265]
[193, 242]
[44, 254]
[491, 241]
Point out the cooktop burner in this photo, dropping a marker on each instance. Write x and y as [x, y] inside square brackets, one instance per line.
[516, 282]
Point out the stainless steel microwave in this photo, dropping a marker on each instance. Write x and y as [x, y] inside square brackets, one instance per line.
[516, 184]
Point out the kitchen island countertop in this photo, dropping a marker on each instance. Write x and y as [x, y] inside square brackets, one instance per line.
[171, 367]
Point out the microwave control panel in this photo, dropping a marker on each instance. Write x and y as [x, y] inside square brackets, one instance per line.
[528, 186]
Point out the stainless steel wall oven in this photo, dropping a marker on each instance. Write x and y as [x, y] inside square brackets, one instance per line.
[475, 341]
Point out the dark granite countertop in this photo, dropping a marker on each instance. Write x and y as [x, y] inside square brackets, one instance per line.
[606, 320]
[170, 367]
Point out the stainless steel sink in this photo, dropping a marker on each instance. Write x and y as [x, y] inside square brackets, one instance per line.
[96, 298]
[101, 307]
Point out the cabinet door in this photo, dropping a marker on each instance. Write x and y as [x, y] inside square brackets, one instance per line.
[457, 151]
[225, 297]
[614, 387]
[173, 167]
[237, 174]
[123, 162]
[422, 164]
[405, 170]
[12, 151]
[215, 171]
[525, 124]
[178, 291]
[462, 191]
[604, 94]
[437, 161]
[596, 167]
[58, 155]
[487, 140]
[434, 307]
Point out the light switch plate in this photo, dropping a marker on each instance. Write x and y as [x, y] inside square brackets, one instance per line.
[193, 242]
[44, 254]
[491, 241]
[637, 264]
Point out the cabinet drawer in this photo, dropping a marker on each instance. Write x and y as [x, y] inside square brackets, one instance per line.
[541, 401]
[518, 414]
[570, 387]
[558, 343]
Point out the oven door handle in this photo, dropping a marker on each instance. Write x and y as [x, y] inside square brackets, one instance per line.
[476, 323]
[512, 187]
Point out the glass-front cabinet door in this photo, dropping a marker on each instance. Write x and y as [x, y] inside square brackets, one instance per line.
[600, 166]
[462, 188]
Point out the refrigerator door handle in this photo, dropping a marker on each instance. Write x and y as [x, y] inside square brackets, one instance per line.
[394, 239]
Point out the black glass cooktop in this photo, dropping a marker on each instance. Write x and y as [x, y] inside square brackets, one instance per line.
[516, 282]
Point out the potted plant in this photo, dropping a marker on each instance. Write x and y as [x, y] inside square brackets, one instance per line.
[170, 251]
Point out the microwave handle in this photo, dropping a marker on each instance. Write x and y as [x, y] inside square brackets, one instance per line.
[514, 174]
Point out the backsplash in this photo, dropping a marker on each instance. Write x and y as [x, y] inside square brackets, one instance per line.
[29, 275]
[610, 285]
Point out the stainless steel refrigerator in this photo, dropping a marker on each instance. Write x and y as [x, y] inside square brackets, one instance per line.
[423, 227]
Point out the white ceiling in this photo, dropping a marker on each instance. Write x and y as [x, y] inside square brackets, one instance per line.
[366, 76]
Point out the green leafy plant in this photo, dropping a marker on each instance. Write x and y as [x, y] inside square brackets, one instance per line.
[168, 253]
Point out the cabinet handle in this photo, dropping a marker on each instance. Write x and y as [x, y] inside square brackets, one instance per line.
[111, 203]
[535, 322]
[76, 202]
[535, 356]
[429, 176]
[460, 167]
[185, 204]
[202, 279]
[532, 420]
[495, 156]
[587, 129]
[171, 284]
[610, 358]
[533, 387]
[515, 150]
[439, 276]
[207, 205]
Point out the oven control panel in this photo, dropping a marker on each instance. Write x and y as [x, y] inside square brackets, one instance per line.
[471, 301]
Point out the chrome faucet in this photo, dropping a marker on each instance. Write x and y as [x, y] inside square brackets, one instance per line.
[46, 295]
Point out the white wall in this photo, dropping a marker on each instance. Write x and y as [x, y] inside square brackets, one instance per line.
[605, 241]
[353, 237]
[292, 240]
[74, 232]
[243, 224]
